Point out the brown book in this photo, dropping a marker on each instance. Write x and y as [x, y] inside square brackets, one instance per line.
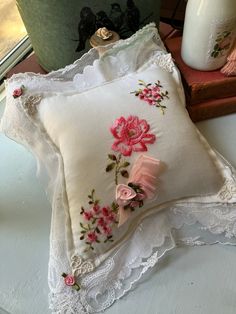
[212, 108]
[200, 85]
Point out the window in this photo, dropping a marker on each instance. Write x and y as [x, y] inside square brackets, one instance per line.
[14, 42]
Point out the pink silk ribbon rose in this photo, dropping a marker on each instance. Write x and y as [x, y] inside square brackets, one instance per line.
[143, 173]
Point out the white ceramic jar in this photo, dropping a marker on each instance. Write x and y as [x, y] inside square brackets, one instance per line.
[209, 33]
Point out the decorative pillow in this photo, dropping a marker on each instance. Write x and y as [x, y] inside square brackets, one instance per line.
[127, 171]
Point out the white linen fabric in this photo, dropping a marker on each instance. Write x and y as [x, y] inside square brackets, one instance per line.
[197, 196]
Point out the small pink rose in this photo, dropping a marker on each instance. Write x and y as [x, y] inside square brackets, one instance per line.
[111, 218]
[88, 215]
[141, 96]
[155, 89]
[107, 230]
[101, 222]
[105, 211]
[146, 90]
[17, 92]
[149, 101]
[124, 194]
[96, 209]
[92, 237]
[69, 280]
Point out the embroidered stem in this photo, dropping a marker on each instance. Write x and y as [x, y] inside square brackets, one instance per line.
[117, 169]
[119, 165]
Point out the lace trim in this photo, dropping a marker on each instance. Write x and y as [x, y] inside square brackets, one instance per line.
[30, 104]
[165, 62]
[228, 191]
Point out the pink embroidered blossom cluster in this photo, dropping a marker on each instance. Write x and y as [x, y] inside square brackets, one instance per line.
[99, 222]
[152, 93]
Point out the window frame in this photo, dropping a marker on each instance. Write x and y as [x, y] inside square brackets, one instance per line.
[19, 52]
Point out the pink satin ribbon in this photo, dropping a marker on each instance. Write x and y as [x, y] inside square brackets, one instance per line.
[143, 173]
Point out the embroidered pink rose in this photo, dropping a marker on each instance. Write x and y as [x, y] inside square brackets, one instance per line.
[69, 280]
[92, 237]
[88, 215]
[107, 230]
[131, 135]
[124, 194]
[18, 91]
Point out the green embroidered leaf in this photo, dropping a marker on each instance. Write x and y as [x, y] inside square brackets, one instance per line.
[124, 173]
[97, 230]
[112, 157]
[114, 207]
[110, 166]
[83, 231]
[96, 202]
[82, 237]
[90, 202]
[125, 164]
[141, 82]
[82, 211]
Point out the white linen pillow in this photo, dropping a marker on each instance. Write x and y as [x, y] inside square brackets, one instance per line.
[186, 169]
[92, 126]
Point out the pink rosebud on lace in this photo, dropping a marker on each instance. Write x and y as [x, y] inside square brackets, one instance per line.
[17, 92]
[92, 237]
[69, 280]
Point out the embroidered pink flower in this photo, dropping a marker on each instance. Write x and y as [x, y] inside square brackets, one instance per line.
[107, 230]
[111, 218]
[92, 237]
[152, 93]
[69, 280]
[101, 222]
[96, 209]
[88, 215]
[131, 135]
[18, 91]
[124, 194]
[106, 211]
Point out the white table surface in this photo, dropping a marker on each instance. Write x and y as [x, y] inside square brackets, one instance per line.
[194, 280]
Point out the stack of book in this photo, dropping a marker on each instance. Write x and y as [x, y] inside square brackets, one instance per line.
[208, 94]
